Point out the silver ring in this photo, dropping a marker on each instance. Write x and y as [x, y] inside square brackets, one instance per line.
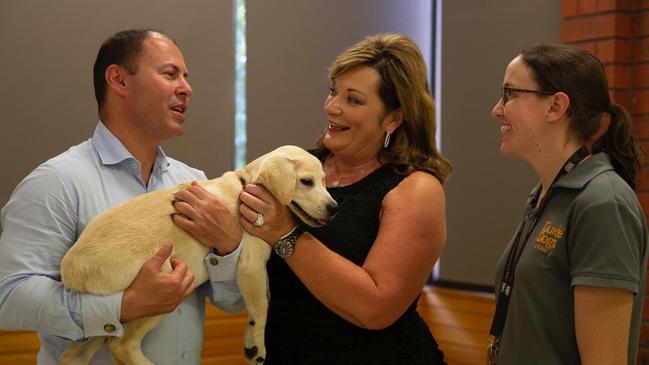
[260, 220]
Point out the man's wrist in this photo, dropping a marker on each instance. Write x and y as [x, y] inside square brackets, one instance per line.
[230, 248]
[124, 307]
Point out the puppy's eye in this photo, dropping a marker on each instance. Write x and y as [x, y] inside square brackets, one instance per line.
[307, 182]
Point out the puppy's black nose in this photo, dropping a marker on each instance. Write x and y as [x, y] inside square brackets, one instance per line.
[332, 209]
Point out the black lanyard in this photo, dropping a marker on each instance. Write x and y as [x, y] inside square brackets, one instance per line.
[528, 222]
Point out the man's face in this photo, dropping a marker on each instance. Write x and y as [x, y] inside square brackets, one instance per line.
[158, 93]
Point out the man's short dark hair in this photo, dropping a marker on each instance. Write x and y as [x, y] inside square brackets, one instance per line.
[123, 49]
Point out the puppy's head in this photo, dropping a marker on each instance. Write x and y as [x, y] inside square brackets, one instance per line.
[296, 179]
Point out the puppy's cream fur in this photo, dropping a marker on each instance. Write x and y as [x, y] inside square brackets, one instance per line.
[113, 247]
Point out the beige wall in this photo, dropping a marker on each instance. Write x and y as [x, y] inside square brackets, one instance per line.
[47, 102]
[487, 192]
[290, 46]
[47, 51]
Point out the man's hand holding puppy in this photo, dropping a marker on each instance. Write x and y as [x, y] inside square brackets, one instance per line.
[156, 291]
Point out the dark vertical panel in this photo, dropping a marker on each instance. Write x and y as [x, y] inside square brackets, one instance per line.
[47, 98]
[486, 194]
[290, 46]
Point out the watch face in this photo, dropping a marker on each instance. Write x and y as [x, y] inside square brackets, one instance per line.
[284, 248]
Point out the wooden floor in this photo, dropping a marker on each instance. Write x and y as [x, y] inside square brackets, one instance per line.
[460, 322]
[458, 319]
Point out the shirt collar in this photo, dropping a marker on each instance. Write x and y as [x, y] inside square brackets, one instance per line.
[586, 171]
[111, 151]
[580, 175]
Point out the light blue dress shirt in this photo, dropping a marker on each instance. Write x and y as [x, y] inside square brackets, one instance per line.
[43, 218]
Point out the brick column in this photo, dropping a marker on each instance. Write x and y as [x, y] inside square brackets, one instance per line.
[617, 31]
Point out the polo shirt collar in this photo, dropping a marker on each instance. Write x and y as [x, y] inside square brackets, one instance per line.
[586, 171]
[111, 151]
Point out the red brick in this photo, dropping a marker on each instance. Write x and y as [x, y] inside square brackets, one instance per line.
[642, 181]
[641, 49]
[640, 102]
[643, 356]
[644, 334]
[613, 25]
[643, 198]
[569, 8]
[627, 5]
[577, 29]
[622, 97]
[608, 5]
[642, 4]
[614, 50]
[587, 7]
[596, 27]
[645, 208]
[641, 127]
[588, 46]
[641, 24]
[619, 76]
[641, 75]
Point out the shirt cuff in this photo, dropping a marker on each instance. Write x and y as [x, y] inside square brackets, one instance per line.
[101, 314]
[223, 268]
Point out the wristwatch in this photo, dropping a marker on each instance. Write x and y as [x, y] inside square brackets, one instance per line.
[286, 245]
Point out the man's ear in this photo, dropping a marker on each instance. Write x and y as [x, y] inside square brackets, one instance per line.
[559, 106]
[116, 79]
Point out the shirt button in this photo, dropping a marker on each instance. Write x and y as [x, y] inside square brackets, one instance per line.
[110, 328]
[214, 261]
[134, 166]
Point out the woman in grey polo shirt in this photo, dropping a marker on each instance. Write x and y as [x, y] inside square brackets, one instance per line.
[571, 283]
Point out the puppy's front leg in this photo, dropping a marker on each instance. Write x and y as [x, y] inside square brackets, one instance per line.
[252, 279]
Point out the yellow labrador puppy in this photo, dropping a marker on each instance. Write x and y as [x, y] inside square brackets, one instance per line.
[129, 234]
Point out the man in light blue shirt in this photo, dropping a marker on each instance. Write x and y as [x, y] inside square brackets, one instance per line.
[142, 91]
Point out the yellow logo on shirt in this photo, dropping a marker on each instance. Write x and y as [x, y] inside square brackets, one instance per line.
[547, 239]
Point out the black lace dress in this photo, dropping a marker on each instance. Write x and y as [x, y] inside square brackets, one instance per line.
[301, 330]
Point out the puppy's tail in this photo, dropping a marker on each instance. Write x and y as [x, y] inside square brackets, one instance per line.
[80, 353]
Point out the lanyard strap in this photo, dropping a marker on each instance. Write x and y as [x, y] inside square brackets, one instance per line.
[530, 217]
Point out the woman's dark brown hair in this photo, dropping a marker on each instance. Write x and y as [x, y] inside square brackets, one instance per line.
[579, 74]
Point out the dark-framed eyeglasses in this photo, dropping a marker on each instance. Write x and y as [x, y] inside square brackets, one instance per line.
[507, 93]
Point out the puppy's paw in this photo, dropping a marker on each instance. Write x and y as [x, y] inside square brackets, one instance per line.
[250, 353]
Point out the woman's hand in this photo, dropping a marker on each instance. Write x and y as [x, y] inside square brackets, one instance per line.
[277, 219]
[207, 219]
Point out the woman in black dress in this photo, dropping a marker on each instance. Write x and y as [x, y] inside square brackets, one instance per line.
[347, 292]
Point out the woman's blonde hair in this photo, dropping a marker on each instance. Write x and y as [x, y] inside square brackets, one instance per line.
[403, 85]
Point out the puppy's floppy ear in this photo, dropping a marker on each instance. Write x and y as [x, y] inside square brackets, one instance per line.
[277, 174]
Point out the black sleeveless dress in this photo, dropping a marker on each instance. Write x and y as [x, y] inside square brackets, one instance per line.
[302, 331]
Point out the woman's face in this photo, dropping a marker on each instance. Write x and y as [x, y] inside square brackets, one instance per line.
[356, 116]
[520, 113]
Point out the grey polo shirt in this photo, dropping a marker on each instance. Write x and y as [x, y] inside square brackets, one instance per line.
[592, 231]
